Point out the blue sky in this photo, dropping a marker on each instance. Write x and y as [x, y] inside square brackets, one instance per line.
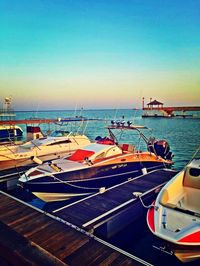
[99, 54]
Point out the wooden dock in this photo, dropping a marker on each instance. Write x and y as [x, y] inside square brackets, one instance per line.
[32, 121]
[116, 207]
[27, 121]
[30, 236]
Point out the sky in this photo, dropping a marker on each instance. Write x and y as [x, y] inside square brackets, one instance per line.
[66, 54]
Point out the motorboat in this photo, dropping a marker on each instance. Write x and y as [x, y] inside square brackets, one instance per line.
[96, 167]
[41, 149]
[175, 215]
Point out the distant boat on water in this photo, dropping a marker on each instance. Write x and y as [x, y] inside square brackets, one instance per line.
[9, 132]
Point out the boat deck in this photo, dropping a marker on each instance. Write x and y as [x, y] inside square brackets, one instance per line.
[31, 237]
[93, 210]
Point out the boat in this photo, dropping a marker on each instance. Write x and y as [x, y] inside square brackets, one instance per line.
[97, 166]
[175, 215]
[40, 149]
[9, 132]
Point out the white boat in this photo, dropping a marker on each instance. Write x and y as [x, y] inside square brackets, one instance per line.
[175, 215]
[41, 149]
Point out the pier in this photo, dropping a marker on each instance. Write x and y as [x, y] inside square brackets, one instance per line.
[27, 121]
[76, 233]
[47, 121]
[157, 109]
[30, 236]
[109, 212]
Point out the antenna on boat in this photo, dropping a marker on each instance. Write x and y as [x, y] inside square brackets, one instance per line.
[81, 111]
[195, 153]
[115, 116]
[75, 109]
[85, 127]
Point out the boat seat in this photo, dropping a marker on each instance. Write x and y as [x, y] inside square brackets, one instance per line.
[80, 155]
[190, 200]
[191, 186]
[187, 199]
[127, 147]
[192, 178]
[171, 200]
[184, 193]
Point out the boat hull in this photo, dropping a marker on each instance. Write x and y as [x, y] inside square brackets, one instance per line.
[15, 164]
[187, 253]
[60, 186]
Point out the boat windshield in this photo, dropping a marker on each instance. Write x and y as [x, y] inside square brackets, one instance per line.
[122, 133]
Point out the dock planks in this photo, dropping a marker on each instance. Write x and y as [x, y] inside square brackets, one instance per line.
[30, 237]
[88, 212]
[58, 239]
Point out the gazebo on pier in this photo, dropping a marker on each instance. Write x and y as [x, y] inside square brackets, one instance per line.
[155, 104]
[156, 109]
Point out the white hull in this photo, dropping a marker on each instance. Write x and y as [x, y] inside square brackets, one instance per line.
[50, 197]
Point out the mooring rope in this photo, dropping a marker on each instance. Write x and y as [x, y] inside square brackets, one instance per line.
[67, 183]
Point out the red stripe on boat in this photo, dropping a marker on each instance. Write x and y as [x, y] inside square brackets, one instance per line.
[192, 238]
[150, 219]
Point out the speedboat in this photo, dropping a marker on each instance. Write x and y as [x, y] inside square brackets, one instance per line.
[97, 166]
[41, 149]
[175, 215]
